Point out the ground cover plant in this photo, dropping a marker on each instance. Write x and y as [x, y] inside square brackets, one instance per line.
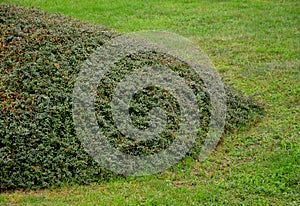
[41, 60]
[258, 165]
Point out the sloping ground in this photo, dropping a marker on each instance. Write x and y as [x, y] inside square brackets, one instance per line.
[41, 56]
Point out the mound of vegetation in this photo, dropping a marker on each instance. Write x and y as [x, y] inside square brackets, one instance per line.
[41, 55]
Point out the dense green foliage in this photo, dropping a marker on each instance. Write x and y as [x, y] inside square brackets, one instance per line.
[41, 56]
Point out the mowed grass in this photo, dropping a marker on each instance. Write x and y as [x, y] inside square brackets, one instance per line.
[255, 46]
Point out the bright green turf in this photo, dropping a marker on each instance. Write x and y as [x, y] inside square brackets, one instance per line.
[255, 46]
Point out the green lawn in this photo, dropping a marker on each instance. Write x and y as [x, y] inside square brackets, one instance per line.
[255, 46]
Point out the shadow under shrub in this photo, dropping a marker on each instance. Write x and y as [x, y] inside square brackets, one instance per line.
[41, 55]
